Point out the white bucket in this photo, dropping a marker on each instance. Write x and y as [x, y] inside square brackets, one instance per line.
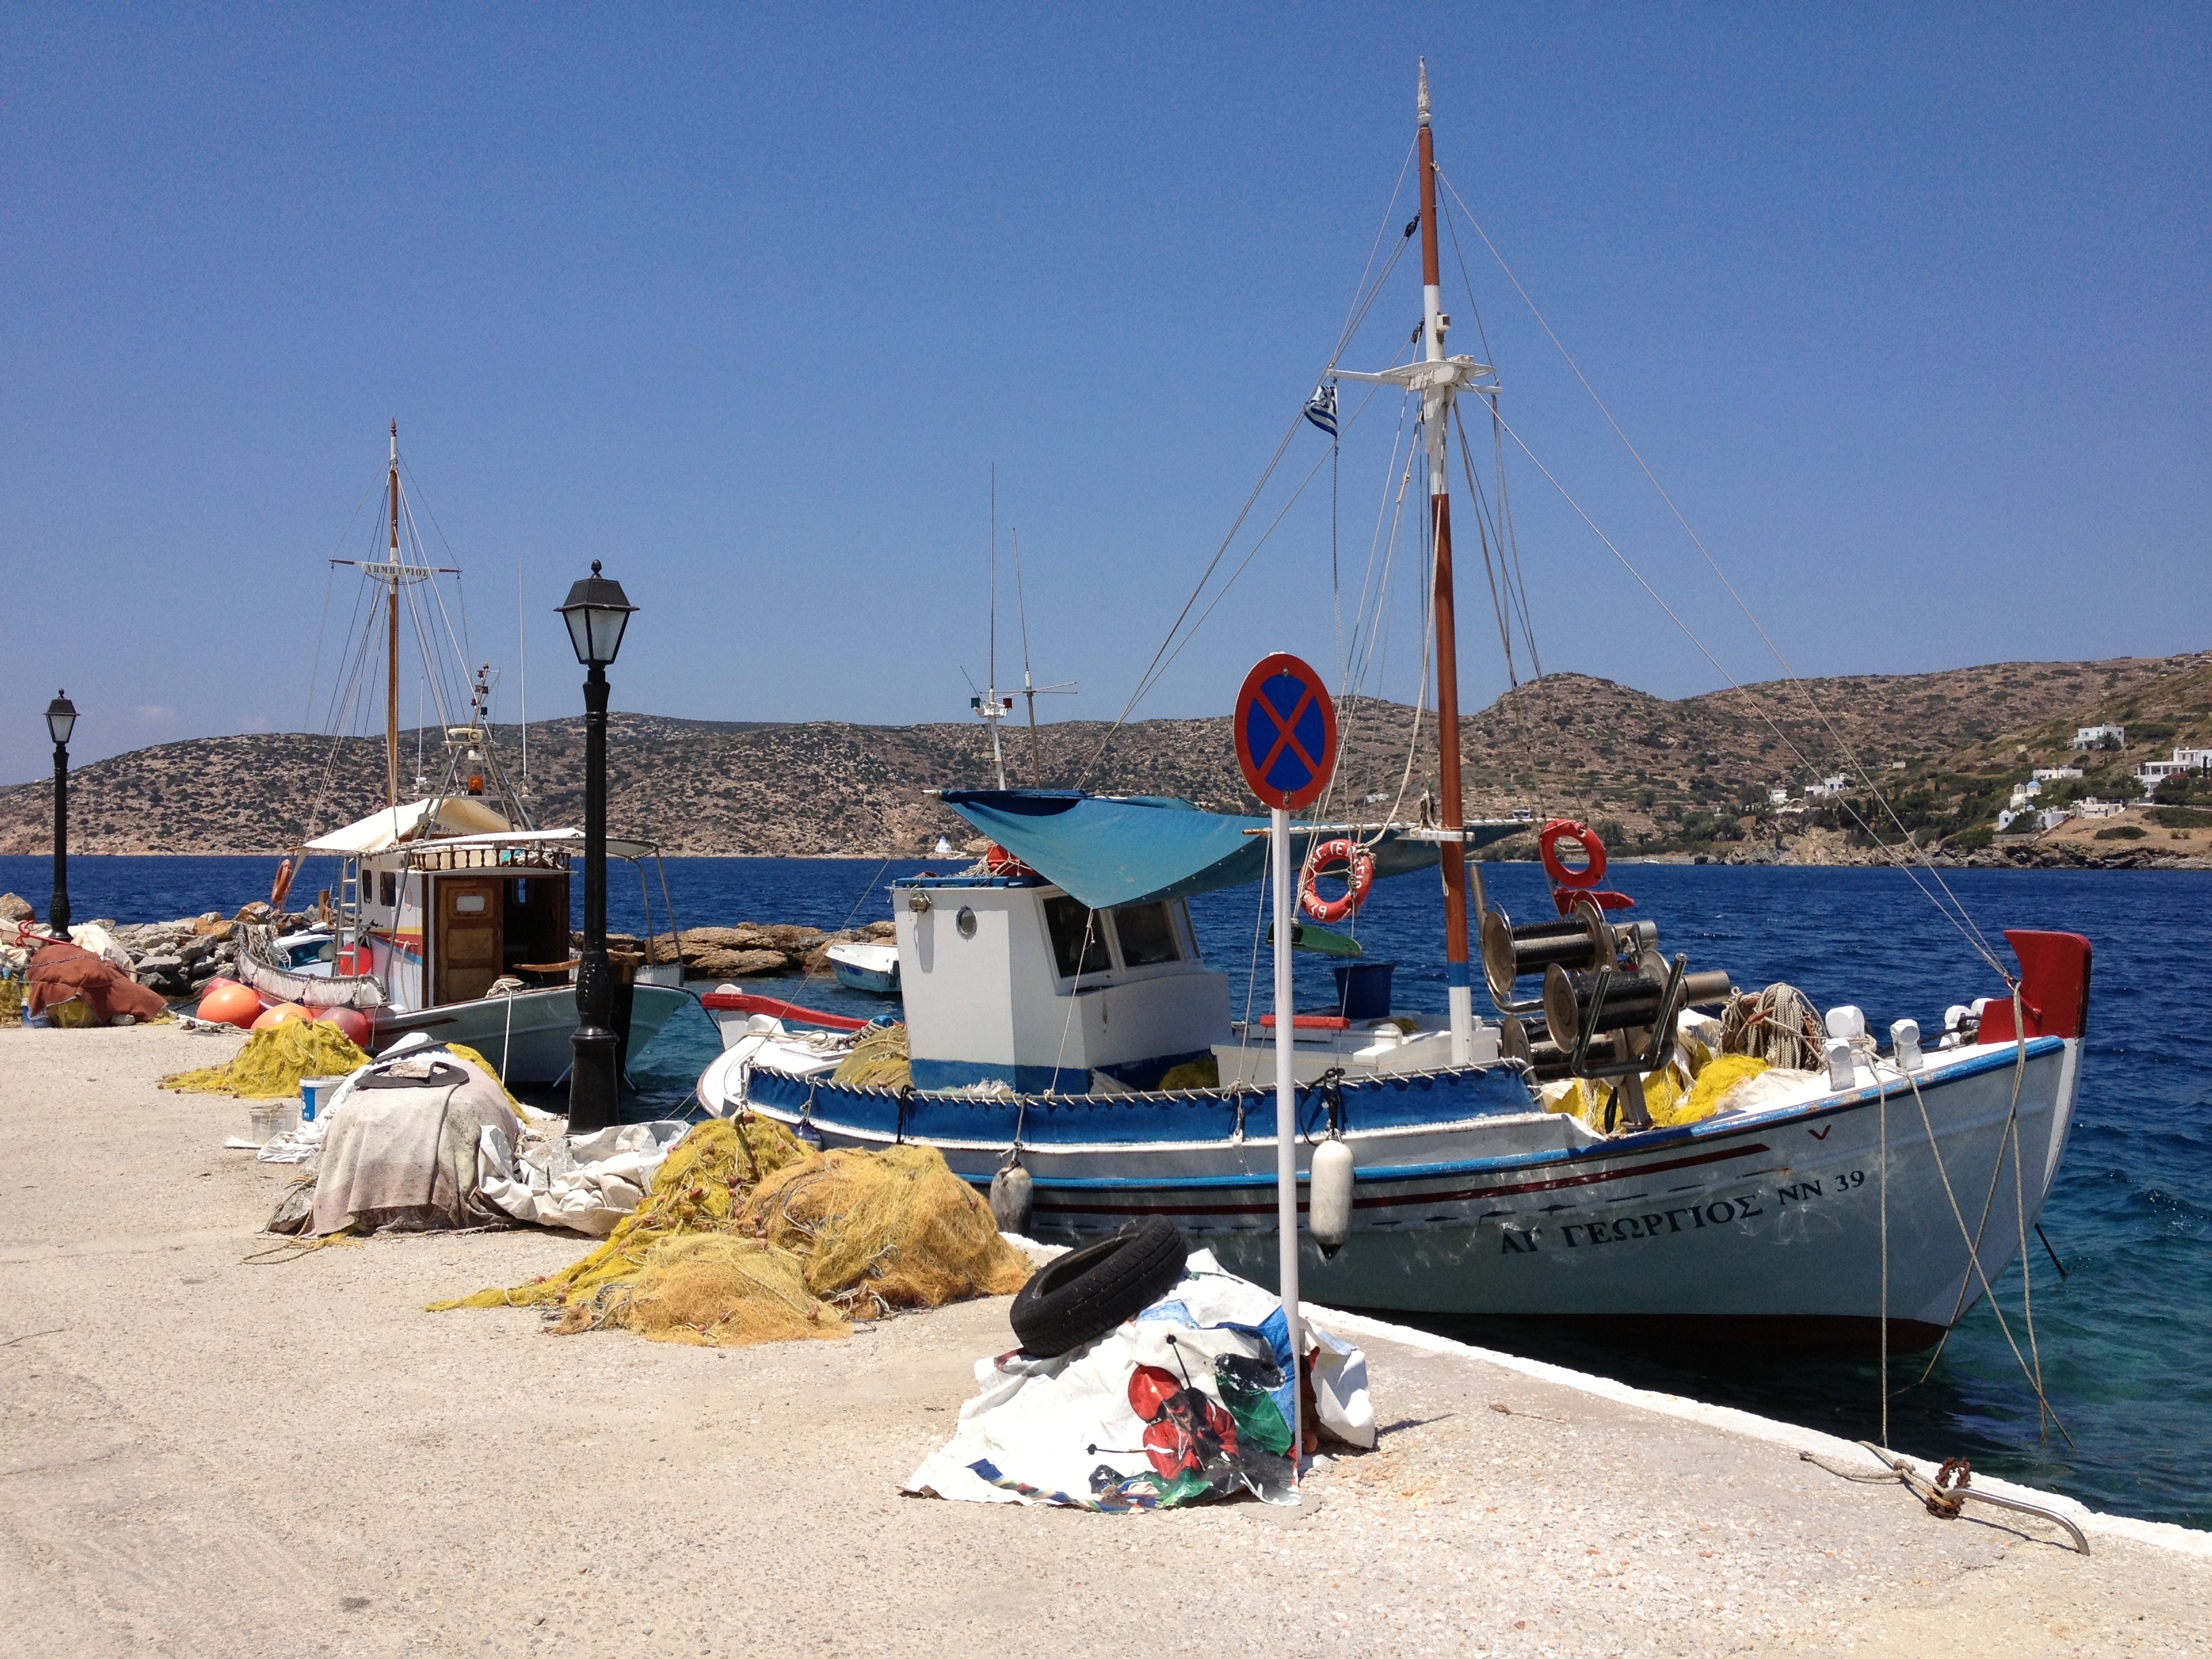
[315, 1094]
[268, 1119]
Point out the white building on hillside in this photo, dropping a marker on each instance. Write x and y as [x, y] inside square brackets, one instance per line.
[2055, 774]
[2100, 737]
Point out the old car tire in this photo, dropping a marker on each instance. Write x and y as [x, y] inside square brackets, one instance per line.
[1083, 1295]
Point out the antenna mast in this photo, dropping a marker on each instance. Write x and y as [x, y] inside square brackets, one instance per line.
[990, 706]
[392, 643]
[1030, 689]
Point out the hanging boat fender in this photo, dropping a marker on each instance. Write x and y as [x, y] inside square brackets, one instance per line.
[1011, 1196]
[1329, 1209]
[1359, 876]
[283, 886]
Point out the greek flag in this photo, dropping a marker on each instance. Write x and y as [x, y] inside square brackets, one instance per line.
[1321, 408]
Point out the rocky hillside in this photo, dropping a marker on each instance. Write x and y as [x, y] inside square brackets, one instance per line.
[1665, 775]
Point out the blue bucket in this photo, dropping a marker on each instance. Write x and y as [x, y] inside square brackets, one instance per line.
[1363, 989]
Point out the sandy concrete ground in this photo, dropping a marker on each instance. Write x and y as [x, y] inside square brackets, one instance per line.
[203, 1456]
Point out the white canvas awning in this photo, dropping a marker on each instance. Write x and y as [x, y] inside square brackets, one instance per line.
[380, 831]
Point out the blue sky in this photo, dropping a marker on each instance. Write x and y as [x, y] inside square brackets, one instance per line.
[1906, 306]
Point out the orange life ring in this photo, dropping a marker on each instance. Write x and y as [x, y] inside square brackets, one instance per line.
[1359, 876]
[1547, 842]
[282, 887]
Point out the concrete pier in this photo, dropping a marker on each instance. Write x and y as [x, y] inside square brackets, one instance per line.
[205, 1456]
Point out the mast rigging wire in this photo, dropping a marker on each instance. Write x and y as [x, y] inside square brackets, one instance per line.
[1964, 920]
[1960, 920]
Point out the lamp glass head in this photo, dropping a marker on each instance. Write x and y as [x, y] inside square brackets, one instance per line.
[597, 611]
[61, 717]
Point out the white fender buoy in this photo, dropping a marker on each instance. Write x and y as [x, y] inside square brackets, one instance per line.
[1011, 1194]
[1904, 1043]
[1329, 1209]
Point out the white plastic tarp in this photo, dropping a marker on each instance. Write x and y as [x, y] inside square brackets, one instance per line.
[586, 1183]
[1187, 1401]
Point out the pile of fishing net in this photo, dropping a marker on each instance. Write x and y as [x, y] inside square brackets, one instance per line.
[273, 1060]
[1697, 1082]
[749, 1234]
[879, 1059]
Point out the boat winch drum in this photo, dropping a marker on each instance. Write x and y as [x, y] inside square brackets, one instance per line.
[1359, 876]
[1584, 941]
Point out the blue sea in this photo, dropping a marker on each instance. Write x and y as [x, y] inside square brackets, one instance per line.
[2126, 1335]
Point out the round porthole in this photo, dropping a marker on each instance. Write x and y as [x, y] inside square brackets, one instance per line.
[965, 921]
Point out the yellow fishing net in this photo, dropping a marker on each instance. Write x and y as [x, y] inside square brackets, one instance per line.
[11, 1002]
[878, 1059]
[749, 1236]
[1194, 1074]
[272, 1063]
[1717, 1079]
[1688, 1092]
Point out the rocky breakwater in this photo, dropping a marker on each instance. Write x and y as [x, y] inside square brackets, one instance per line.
[751, 949]
[177, 959]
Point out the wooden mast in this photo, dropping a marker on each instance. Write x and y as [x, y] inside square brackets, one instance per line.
[1436, 405]
[392, 643]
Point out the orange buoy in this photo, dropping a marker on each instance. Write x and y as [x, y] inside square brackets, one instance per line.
[285, 871]
[351, 1021]
[228, 1003]
[278, 1015]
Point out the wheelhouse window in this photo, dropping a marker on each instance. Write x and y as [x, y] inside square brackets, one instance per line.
[1079, 946]
[387, 888]
[1147, 932]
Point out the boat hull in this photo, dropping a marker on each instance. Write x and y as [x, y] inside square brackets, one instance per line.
[1774, 1222]
[524, 1036]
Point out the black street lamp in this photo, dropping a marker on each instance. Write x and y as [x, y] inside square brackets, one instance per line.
[61, 721]
[597, 613]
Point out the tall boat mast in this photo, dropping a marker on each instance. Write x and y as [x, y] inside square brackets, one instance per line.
[1440, 379]
[394, 573]
[1436, 416]
[391, 641]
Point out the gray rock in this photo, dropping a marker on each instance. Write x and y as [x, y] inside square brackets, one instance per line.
[16, 908]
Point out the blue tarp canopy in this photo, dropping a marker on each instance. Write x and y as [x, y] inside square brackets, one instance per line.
[1108, 850]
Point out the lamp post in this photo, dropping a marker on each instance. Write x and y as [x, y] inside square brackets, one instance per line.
[597, 611]
[61, 721]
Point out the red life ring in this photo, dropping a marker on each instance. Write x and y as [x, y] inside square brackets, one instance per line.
[1358, 876]
[282, 887]
[1547, 842]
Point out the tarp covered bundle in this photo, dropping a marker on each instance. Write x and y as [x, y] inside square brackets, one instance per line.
[403, 1152]
[1190, 1400]
[61, 973]
[1108, 850]
[748, 1234]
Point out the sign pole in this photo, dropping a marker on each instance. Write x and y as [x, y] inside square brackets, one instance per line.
[1285, 731]
[1286, 1116]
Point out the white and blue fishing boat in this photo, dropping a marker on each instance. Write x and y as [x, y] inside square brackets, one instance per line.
[864, 965]
[1061, 1020]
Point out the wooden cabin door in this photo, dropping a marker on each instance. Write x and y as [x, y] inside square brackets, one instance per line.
[470, 939]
